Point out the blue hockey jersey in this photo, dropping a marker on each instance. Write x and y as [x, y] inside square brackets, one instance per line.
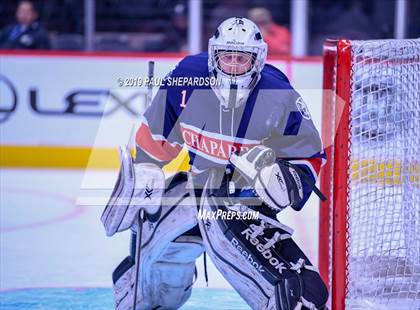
[191, 116]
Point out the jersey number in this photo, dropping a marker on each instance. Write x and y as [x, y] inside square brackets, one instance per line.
[183, 100]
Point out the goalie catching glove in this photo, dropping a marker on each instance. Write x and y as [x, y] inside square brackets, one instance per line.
[277, 183]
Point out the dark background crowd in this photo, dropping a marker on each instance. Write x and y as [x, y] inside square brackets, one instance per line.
[162, 25]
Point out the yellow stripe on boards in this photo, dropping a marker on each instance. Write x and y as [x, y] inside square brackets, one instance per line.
[389, 172]
[53, 157]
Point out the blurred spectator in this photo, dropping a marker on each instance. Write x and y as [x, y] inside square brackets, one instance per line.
[176, 36]
[26, 33]
[353, 23]
[352, 20]
[276, 36]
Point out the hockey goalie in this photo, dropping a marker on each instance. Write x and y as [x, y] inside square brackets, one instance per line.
[252, 147]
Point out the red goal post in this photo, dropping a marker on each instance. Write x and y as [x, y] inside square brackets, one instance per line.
[369, 254]
[335, 85]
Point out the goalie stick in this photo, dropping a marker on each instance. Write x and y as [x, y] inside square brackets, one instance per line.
[150, 73]
[141, 213]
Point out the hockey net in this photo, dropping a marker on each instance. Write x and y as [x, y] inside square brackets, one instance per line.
[369, 250]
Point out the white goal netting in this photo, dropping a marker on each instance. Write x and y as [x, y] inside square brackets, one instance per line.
[384, 182]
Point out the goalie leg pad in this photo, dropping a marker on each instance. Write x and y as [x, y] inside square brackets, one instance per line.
[259, 258]
[314, 291]
[284, 294]
[170, 278]
[167, 262]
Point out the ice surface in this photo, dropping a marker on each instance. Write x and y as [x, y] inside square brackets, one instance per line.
[101, 299]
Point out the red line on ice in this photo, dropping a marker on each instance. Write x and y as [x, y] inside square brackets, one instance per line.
[75, 212]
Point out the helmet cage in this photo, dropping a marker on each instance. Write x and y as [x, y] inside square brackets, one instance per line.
[251, 53]
[236, 62]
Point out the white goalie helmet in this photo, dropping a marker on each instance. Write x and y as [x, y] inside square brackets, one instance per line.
[237, 54]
